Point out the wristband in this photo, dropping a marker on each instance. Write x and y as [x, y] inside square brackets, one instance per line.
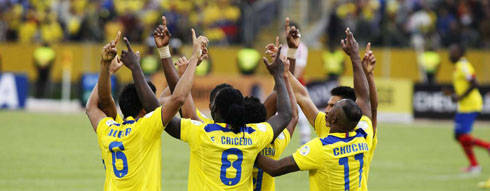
[292, 53]
[164, 52]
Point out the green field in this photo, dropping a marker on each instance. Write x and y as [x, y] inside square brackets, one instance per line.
[60, 152]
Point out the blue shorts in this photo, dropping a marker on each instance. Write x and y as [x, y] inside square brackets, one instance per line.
[464, 122]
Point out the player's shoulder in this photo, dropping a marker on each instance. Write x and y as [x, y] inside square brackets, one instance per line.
[106, 123]
[262, 127]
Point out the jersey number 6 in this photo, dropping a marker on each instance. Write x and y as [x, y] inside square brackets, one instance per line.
[225, 164]
[116, 149]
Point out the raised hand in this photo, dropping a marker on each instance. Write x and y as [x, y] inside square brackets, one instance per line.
[116, 64]
[292, 35]
[182, 65]
[349, 44]
[369, 60]
[161, 34]
[130, 58]
[109, 51]
[204, 55]
[286, 66]
[277, 65]
[198, 44]
[271, 49]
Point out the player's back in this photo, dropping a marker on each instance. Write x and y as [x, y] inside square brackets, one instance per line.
[131, 152]
[461, 76]
[221, 159]
[335, 162]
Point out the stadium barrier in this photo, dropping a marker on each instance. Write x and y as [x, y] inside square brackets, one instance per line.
[13, 90]
[88, 82]
[394, 98]
[430, 102]
[391, 62]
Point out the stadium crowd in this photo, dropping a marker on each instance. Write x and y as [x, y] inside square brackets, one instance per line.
[442, 22]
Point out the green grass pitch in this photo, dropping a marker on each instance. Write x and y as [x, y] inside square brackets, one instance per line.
[59, 152]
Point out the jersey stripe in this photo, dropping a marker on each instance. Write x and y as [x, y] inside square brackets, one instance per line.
[333, 139]
[216, 127]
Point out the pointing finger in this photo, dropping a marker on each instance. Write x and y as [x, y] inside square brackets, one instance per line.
[193, 35]
[368, 47]
[164, 21]
[277, 41]
[128, 44]
[286, 26]
[118, 36]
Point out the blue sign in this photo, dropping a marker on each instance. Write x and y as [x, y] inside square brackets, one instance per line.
[13, 90]
[87, 83]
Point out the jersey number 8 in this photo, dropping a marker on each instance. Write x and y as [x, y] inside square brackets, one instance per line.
[225, 164]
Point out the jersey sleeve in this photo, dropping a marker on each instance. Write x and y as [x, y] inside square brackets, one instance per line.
[366, 125]
[263, 134]
[321, 128]
[104, 125]
[151, 124]
[189, 131]
[310, 155]
[282, 141]
[468, 71]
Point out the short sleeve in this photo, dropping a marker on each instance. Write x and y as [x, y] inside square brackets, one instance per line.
[321, 128]
[282, 141]
[310, 156]
[263, 133]
[189, 130]
[104, 125]
[151, 125]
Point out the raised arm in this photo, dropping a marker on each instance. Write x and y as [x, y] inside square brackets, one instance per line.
[109, 56]
[304, 100]
[284, 113]
[94, 113]
[293, 38]
[161, 35]
[183, 89]
[369, 63]
[131, 60]
[188, 110]
[361, 87]
[294, 107]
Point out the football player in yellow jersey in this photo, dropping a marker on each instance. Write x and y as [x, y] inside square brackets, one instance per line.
[132, 150]
[337, 161]
[469, 105]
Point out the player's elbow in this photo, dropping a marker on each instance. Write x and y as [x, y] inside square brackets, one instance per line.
[178, 100]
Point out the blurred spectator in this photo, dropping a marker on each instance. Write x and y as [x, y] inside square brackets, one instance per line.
[150, 62]
[333, 62]
[248, 59]
[430, 62]
[43, 61]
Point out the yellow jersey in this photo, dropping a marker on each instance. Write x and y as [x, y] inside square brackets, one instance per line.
[321, 128]
[132, 152]
[339, 161]
[262, 180]
[221, 159]
[462, 75]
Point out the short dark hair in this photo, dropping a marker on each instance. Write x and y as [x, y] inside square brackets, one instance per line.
[353, 113]
[345, 92]
[255, 111]
[217, 89]
[129, 102]
[231, 107]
